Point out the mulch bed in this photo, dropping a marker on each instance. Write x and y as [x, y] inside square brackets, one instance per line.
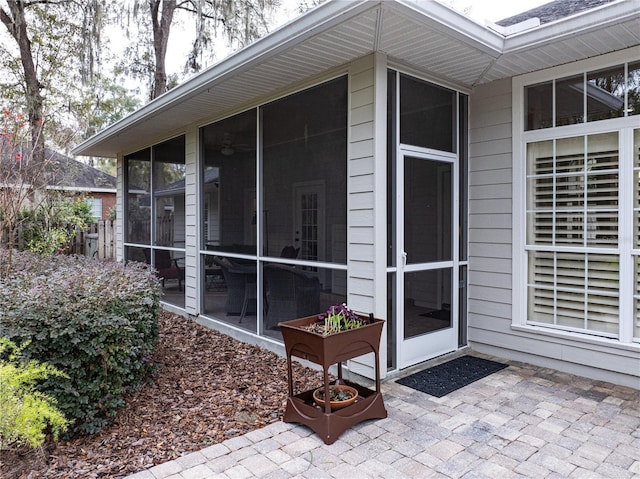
[208, 387]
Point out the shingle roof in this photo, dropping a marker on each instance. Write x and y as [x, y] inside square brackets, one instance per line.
[70, 173]
[552, 11]
[63, 172]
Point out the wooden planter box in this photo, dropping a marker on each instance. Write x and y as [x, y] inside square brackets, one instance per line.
[327, 351]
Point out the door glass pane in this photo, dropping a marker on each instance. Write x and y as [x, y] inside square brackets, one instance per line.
[463, 190]
[228, 184]
[427, 207]
[391, 321]
[462, 306]
[168, 192]
[138, 201]
[392, 206]
[427, 301]
[427, 115]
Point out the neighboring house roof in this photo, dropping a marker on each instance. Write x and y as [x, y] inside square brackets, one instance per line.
[70, 174]
[552, 11]
[62, 172]
[211, 176]
[417, 35]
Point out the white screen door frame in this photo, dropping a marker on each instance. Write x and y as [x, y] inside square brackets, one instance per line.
[425, 286]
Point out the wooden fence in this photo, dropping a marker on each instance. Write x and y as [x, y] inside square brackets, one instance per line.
[97, 241]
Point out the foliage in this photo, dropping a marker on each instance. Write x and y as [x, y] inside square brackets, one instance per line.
[338, 317]
[238, 21]
[24, 175]
[51, 67]
[25, 413]
[53, 224]
[95, 321]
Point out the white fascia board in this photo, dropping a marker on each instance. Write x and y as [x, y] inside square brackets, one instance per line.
[457, 25]
[600, 18]
[319, 19]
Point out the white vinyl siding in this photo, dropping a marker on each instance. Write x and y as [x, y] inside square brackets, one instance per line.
[497, 249]
[366, 180]
[191, 223]
[490, 210]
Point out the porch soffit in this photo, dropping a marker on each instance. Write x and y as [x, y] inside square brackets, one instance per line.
[428, 37]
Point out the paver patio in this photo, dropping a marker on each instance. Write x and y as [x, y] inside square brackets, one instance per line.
[521, 422]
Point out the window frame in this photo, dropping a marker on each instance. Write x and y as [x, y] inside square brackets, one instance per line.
[624, 127]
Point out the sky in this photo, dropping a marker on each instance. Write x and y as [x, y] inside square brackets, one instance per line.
[479, 10]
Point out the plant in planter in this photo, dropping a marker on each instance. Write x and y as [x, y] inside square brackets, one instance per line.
[336, 319]
[340, 396]
[330, 339]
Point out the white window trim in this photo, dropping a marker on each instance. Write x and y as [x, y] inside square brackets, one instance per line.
[520, 138]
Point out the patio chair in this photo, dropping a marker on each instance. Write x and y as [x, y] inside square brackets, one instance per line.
[240, 280]
[289, 252]
[168, 267]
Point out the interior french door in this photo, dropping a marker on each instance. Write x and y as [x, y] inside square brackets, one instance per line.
[427, 301]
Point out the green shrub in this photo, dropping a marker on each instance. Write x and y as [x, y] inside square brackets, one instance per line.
[95, 321]
[25, 413]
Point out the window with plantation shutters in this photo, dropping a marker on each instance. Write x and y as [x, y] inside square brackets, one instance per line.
[572, 233]
[576, 201]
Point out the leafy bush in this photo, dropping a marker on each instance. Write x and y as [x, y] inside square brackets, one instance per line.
[95, 321]
[24, 412]
[49, 227]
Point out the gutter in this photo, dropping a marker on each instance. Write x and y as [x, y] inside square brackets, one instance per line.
[604, 16]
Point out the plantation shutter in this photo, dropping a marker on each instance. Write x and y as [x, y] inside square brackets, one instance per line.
[572, 219]
[636, 232]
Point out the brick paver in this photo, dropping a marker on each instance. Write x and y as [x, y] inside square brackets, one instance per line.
[522, 421]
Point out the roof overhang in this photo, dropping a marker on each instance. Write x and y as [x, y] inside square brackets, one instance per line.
[424, 35]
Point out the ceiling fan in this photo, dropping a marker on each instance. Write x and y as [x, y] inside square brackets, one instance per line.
[228, 147]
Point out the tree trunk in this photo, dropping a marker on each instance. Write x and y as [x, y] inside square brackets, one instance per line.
[17, 26]
[161, 28]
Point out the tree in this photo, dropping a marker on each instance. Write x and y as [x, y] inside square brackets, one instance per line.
[55, 51]
[21, 178]
[238, 21]
[14, 19]
[161, 21]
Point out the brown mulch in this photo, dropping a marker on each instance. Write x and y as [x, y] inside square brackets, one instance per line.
[208, 387]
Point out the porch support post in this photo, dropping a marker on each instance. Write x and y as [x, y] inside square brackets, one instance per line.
[366, 197]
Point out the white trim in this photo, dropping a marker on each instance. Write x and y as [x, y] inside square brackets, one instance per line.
[593, 342]
[626, 232]
[380, 199]
[520, 138]
[578, 67]
[599, 18]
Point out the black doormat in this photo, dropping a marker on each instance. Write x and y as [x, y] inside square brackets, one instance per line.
[444, 378]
